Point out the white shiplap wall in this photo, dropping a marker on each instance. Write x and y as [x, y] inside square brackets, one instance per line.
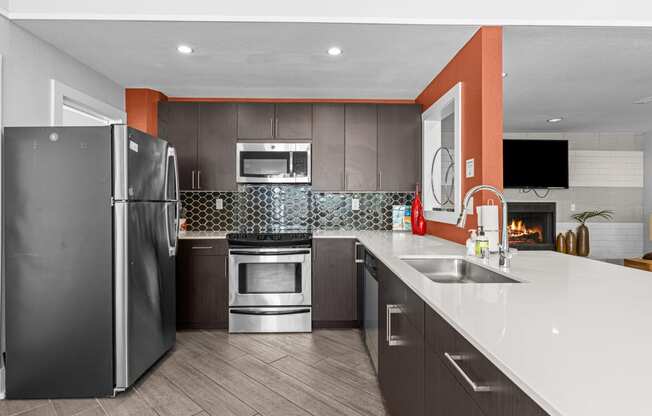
[611, 168]
[611, 240]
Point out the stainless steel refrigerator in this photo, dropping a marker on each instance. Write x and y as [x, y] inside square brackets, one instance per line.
[90, 238]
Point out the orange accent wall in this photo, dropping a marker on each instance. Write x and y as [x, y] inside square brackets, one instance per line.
[478, 65]
[142, 109]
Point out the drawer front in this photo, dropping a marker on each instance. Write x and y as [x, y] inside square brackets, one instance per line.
[208, 247]
[494, 393]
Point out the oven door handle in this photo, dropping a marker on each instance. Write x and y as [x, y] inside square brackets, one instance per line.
[261, 312]
[268, 253]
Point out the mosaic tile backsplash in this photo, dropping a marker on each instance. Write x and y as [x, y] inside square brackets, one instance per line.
[289, 207]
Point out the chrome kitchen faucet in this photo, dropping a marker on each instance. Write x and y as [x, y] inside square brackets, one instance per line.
[503, 250]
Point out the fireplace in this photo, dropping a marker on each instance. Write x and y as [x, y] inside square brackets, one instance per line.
[531, 225]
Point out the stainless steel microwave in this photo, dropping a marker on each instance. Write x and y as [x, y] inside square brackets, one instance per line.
[273, 162]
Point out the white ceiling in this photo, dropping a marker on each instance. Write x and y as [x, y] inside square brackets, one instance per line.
[471, 12]
[261, 59]
[589, 76]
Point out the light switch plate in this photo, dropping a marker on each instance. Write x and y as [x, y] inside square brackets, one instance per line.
[219, 203]
[572, 207]
[355, 204]
[470, 168]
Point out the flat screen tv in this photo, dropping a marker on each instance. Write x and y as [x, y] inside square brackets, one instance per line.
[536, 164]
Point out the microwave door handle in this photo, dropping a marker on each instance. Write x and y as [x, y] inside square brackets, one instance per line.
[291, 173]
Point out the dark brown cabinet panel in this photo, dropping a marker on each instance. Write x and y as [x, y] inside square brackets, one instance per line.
[504, 397]
[444, 396]
[399, 147]
[361, 147]
[256, 120]
[179, 125]
[401, 346]
[202, 284]
[216, 148]
[293, 121]
[334, 282]
[328, 147]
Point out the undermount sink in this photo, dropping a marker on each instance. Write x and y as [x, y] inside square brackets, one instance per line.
[452, 270]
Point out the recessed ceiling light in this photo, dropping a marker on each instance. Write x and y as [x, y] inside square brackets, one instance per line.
[334, 51]
[555, 120]
[504, 74]
[184, 49]
[645, 100]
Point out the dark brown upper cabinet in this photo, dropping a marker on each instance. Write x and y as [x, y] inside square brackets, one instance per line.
[178, 123]
[204, 135]
[361, 147]
[290, 121]
[328, 147]
[334, 282]
[293, 121]
[216, 148]
[399, 147]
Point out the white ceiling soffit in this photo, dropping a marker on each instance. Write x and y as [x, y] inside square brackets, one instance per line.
[589, 76]
[269, 60]
[468, 12]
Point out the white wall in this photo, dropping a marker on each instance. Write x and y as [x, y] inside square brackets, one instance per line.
[29, 64]
[597, 12]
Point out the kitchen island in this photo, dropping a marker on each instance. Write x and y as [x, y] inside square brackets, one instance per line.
[574, 335]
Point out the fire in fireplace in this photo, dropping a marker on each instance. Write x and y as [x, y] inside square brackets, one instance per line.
[531, 225]
[522, 232]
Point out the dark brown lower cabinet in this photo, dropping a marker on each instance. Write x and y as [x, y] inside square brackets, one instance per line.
[416, 374]
[334, 283]
[444, 396]
[202, 284]
[401, 346]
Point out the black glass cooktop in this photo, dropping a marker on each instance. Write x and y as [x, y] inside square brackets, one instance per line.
[269, 239]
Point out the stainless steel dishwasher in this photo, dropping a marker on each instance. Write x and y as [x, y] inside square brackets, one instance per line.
[371, 307]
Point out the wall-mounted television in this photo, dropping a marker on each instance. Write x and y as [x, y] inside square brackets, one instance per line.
[536, 164]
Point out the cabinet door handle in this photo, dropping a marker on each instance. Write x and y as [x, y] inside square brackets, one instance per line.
[199, 179]
[355, 253]
[380, 179]
[271, 126]
[392, 340]
[478, 388]
[276, 128]
[193, 179]
[202, 247]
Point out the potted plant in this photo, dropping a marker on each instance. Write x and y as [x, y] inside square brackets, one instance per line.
[583, 248]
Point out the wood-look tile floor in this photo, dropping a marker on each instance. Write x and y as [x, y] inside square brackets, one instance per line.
[326, 373]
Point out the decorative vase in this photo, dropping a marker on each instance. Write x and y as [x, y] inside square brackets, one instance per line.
[583, 246]
[560, 244]
[571, 243]
[418, 220]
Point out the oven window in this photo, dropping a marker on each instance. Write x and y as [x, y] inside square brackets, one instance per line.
[261, 278]
[264, 164]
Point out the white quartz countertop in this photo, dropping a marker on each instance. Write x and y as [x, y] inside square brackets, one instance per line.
[202, 235]
[576, 336]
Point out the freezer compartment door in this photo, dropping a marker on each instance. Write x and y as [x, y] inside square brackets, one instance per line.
[141, 166]
[145, 287]
[58, 262]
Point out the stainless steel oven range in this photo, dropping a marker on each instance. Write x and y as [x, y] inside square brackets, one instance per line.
[270, 282]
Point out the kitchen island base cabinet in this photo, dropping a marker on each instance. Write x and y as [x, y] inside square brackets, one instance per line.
[401, 346]
[202, 284]
[334, 283]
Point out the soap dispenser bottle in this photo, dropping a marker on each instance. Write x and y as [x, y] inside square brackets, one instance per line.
[470, 243]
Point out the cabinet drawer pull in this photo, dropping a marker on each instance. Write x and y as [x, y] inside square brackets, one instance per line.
[392, 340]
[202, 247]
[478, 388]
